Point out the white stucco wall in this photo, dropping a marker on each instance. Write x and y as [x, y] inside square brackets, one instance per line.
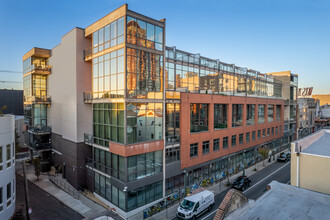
[68, 115]
[7, 172]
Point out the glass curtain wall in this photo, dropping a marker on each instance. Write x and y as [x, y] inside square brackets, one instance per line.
[144, 122]
[108, 121]
[144, 74]
[108, 75]
[193, 73]
[144, 34]
[109, 36]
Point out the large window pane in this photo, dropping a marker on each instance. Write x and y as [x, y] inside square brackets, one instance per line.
[220, 116]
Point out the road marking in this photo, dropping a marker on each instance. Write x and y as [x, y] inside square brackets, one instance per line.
[266, 177]
[249, 188]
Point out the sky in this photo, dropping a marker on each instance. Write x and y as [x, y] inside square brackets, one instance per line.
[265, 35]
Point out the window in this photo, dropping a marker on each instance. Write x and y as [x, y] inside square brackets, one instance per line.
[264, 132]
[270, 113]
[143, 165]
[206, 147]
[247, 137]
[143, 195]
[268, 131]
[172, 154]
[172, 128]
[233, 140]
[237, 115]
[225, 142]
[276, 130]
[109, 36]
[278, 113]
[280, 129]
[216, 144]
[261, 114]
[199, 117]
[8, 191]
[220, 116]
[144, 34]
[108, 75]
[193, 150]
[250, 114]
[1, 199]
[253, 135]
[1, 161]
[240, 139]
[259, 134]
[272, 130]
[8, 154]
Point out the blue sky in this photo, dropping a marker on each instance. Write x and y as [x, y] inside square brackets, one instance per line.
[265, 35]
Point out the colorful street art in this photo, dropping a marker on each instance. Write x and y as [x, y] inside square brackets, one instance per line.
[176, 196]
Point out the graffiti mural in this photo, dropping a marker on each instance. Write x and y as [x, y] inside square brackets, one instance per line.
[176, 196]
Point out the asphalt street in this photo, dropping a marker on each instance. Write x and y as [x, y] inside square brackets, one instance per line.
[277, 171]
[44, 206]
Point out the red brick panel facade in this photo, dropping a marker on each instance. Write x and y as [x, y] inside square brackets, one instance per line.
[135, 149]
[188, 138]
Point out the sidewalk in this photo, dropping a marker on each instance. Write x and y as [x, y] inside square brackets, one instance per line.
[170, 212]
[83, 205]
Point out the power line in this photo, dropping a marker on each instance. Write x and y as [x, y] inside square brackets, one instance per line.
[9, 71]
[1, 81]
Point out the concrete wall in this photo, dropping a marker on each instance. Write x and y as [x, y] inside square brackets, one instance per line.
[313, 170]
[73, 156]
[7, 173]
[68, 115]
[71, 76]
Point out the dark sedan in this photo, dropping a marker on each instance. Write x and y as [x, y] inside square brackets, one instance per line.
[241, 183]
[284, 157]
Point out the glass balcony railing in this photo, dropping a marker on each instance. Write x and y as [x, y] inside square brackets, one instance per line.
[172, 139]
[88, 97]
[88, 53]
[88, 139]
[37, 67]
[40, 129]
[40, 146]
[38, 99]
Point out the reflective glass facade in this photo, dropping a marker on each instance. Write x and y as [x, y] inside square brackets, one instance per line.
[144, 34]
[144, 74]
[109, 36]
[144, 122]
[108, 75]
[193, 73]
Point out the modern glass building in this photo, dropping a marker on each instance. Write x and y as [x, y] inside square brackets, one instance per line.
[138, 121]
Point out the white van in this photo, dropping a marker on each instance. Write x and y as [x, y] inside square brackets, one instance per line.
[195, 205]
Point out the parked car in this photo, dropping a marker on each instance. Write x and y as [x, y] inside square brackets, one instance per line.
[193, 206]
[284, 157]
[241, 183]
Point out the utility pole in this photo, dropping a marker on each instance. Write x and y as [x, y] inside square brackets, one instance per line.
[26, 192]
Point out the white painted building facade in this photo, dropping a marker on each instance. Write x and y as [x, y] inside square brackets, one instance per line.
[7, 166]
